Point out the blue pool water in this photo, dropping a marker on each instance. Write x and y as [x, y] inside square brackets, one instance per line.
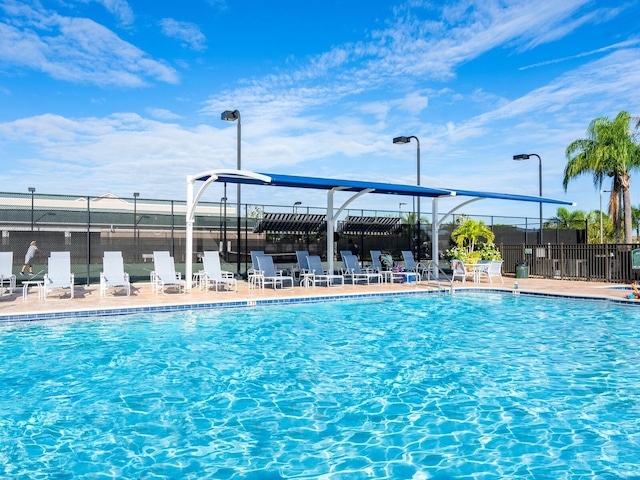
[471, 386]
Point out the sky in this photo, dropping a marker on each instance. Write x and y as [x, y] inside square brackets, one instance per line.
[117, 96]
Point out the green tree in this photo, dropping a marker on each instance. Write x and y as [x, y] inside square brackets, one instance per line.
[468, 233]
[608, 151]
[635, 220]
[565, 219]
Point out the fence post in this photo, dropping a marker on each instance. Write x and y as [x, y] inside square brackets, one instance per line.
[88, 239]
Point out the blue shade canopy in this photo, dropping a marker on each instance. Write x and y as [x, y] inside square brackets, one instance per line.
[278, 180]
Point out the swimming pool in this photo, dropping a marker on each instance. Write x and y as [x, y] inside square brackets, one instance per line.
[476, 386]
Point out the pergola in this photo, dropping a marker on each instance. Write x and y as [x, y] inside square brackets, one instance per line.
[334, 185]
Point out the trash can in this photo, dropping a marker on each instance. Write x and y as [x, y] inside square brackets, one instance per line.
[522, 269]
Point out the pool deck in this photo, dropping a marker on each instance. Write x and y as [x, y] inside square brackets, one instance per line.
[87, 298]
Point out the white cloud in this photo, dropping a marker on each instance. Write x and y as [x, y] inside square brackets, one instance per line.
[187, 32]
[76, 50]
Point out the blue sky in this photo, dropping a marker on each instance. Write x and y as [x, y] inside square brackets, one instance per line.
[121, 96]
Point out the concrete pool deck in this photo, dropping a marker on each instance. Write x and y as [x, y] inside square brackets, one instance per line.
[87, 298]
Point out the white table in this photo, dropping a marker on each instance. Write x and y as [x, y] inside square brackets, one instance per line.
[32, 283]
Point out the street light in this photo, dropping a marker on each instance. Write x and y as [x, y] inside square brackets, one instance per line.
[526, 156]
[295, 210]
[400, 141]
[601, 192]
[32, 190]
[231, 116]
[400, 204]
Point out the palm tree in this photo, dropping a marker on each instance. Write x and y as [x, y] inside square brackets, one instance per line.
[468, 233]
[609, 150]
[635, 219]
[566, 219]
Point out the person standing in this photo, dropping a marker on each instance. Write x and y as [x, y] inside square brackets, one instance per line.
[28, 258]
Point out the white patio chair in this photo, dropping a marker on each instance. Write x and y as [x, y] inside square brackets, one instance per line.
[7, 277]
[493, 269]
[113, 274]
[214, 276]
[165, 274]
[58, 276]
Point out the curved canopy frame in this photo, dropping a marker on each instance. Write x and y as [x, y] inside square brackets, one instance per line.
[358, 188]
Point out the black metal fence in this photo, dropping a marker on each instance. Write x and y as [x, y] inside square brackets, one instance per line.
[88, 226]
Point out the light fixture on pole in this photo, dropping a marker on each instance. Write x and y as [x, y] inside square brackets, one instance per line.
[526, 156]
[601, 192]
[232, 116]
[400, 141]
[295, 208]
[32, 190]
[400, 204]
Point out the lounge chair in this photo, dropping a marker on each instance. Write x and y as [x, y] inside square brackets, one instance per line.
[410, 264]
[375, 260]
[267, 275]
[319, 275]
[214, 276]
[58, 276]
[351, 271]
[492, 269]
[165, 275]
[113, 274]
[252, 272]
[303, 265]
[7, 277]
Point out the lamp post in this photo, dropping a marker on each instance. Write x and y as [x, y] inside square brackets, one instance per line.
[402, 140]
[601, 192]
[231, 116]
[135, 222]
[526, 156]
[400, 204]
[32, 190]
[295, 208]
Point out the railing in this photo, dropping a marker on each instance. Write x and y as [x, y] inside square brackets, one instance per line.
[603, 262]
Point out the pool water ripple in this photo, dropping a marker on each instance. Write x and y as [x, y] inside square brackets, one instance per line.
[475, 386]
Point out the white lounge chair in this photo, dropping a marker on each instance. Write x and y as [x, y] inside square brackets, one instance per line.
[7, 277]
[267, 275]
[214, 276]
[165, 275]
[252, 272]
[319, 275]
[351, 271]
[113, 274]
[58, 276]
[303, 265]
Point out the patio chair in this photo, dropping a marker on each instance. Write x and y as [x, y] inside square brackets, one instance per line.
[320, 275]
[221, 280]
[410, 264]
[253, 271]
[165, 275]
[7, 277]
[58, 276]
[113, 274]
[351, 271]
[267, 275]
[301, 256]
[493, 269]
[458, 270]
[375, 260]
